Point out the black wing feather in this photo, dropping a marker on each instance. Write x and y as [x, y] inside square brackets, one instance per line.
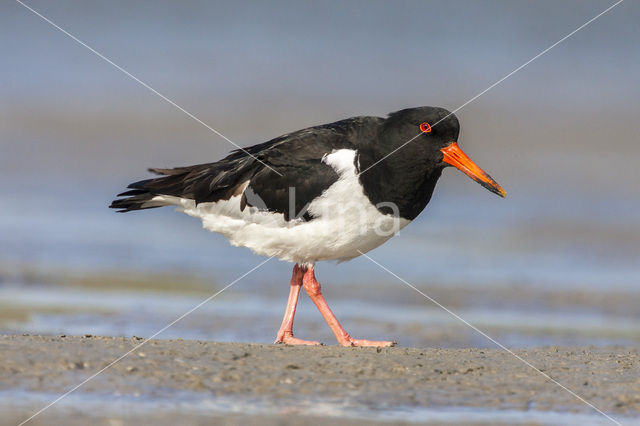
[296, 156]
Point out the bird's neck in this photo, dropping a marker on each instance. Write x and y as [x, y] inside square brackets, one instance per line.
[403, 181]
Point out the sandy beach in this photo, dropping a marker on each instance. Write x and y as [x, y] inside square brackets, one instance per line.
[198, 381]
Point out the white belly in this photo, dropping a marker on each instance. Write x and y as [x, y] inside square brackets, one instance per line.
[344, 222]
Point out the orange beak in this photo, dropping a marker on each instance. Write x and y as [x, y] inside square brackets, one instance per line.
[454, 156]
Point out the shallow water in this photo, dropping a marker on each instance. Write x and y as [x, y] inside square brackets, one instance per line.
[163, 404]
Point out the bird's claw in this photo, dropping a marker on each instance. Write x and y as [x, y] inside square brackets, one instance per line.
[290, 340]
[369, 343]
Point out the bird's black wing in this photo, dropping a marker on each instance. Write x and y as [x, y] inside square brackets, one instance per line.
[297, 157]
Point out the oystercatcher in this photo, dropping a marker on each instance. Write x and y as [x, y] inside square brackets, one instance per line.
[326, 192]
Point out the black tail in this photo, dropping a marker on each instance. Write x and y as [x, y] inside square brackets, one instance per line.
[201, 183]
[136, 200]
[176, 182]
[141, 195]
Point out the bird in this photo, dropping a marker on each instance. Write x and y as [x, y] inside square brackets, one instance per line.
[329, 192]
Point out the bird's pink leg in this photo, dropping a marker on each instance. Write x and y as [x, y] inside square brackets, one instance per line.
[285, 334]
[312, 286]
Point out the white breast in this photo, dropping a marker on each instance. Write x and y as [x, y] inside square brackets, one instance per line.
[344, 223]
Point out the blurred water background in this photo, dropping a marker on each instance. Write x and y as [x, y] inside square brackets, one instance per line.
[556, 262]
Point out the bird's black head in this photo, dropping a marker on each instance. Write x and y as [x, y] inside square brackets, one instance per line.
[433, 133]
[431, 127]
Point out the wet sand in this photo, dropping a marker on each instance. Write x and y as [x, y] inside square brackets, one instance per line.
[235, 383]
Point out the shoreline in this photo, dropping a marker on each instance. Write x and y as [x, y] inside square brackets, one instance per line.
[311, 383]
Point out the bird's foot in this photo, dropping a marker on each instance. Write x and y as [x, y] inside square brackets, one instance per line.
[288, 339]
[370, 343]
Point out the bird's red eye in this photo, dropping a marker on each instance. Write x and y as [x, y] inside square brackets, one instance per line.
[425, 127]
